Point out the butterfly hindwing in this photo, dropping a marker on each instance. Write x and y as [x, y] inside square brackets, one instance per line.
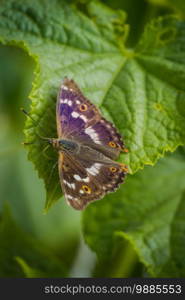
[104, 138]
[85, 180]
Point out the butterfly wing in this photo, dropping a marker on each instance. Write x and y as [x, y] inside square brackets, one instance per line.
[84, 180]
[90, 173]
[68, 107]
[78, 119]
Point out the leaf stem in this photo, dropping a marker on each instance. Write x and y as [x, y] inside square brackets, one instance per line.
[125, 262]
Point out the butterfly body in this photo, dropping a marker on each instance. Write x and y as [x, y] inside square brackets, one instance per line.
[87, 145]
[66, 145]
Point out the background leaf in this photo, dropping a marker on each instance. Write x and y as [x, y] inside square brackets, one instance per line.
[176, 260]
[28, 271]
[19, 186]
[177, 238]
[15, 243]
[177, 6]
[141, 213]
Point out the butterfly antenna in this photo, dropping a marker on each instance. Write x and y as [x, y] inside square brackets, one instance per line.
[40, 136]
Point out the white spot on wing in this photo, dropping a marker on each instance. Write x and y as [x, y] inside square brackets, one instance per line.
[75, 114]
[66, 101]
[83, 118]
[94, 169]
[64, 87]
[81, 192]
[89, 130]
[87, 179]
[93, 135]
[77, 177]
[70, 185]
[73, 186]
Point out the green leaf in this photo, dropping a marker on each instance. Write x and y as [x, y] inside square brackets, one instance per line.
[28, 271]
[143, 212]
[137, 16]
[27, 194]
[177, 243]
[33, 256]
[177, 238]
[136, 89]
[109, 21]
[178, 6]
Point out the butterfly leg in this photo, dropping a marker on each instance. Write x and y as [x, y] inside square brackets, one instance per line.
[45, 154]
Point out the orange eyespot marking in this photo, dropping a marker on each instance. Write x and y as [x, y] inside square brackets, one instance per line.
[86, 189]
[124, 168]
[112, 144]
[125, 150]
[83, 107]
[113, 169]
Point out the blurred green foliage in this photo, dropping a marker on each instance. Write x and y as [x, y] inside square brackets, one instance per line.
[20, 188]
[34, 244]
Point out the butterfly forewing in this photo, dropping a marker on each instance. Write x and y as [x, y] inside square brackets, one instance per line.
[79, 119]
[72, 116]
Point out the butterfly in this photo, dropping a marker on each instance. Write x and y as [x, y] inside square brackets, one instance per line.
[87, 146]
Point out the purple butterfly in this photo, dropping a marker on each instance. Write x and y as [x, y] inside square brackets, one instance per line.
[87, 145]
